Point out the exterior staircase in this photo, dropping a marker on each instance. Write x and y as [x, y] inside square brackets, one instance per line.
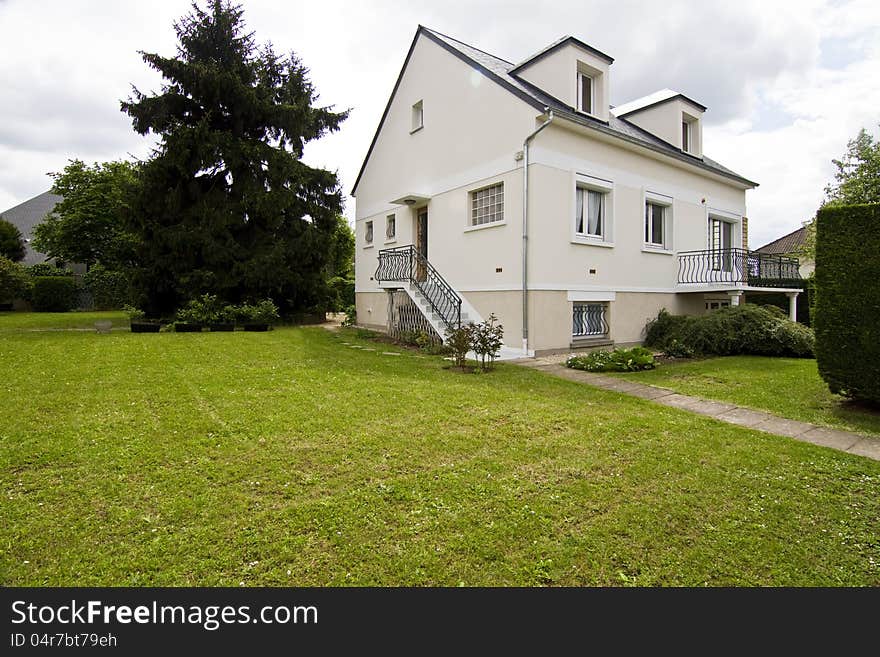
[444, 308]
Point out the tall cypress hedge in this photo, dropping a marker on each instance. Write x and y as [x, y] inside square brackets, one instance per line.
[847, 313]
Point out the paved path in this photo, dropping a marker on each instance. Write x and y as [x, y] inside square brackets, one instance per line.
[844, 441]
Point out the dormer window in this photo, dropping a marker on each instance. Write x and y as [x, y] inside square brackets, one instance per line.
[586, 94]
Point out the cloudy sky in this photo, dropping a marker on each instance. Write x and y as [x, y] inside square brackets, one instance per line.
[786, 84]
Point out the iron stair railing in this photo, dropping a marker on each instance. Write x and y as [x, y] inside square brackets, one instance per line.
[738, 266]
[406, 264]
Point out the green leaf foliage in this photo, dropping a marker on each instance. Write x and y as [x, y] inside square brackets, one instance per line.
[88, 224]
[619, 360]
[15, 283]
[54, 294]
[743, 329]
[848, 299]
[225, 205]
[11, 242]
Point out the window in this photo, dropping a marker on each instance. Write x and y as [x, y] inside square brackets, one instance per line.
[487, 205]
[716, 305]
[390, 228]
[585, 93]
[418, 116]
[685, 136]
[368, 234]
[589, 217]
[655, 224]
[721, 243]
[588, 320]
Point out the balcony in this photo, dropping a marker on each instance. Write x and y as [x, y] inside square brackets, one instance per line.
[737, 268]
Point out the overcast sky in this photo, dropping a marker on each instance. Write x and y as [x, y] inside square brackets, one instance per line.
[786, 84]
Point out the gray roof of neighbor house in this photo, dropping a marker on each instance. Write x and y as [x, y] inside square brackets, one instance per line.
[25, 216]
[787, 243]
[502, 72]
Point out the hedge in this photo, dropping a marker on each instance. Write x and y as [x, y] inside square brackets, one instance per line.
[847, 311]
[110, 289]
[54, 293]
[744, 329]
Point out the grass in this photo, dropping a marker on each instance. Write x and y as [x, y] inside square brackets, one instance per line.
[293, 458]
[16, 321]
[789, 387]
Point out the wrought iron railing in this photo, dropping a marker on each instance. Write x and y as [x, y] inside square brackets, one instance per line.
[406, 264]
[588, 320]
[738, 266]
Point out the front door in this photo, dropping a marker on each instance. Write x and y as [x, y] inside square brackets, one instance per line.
[422, 242]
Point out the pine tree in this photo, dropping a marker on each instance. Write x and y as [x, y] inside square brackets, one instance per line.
[225, 205]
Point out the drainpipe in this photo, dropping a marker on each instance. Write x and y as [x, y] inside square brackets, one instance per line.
[525, 231]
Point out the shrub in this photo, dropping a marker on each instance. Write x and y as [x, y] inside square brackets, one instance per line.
[48, 269]
[619, 360]
[15, 283]
[133, 314]
[202, 310]
[848, 300]
[54, 293]
[487, 337]
[675, 348]
[350, 318]
[744, 329]
[459, 342]
[109, 288]
[341, 293]
[261, 312]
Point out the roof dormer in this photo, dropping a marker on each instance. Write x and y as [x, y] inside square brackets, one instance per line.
[669, 115]
[572, 72]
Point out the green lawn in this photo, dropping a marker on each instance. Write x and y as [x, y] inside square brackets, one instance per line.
[291, 458]
[789, 387]
[16, 321]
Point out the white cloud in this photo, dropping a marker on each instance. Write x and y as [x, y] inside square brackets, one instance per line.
[786, 83]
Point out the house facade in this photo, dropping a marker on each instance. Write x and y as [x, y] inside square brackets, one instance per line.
[515, 190]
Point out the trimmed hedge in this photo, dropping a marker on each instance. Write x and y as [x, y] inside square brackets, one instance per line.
[847, 311]
[110, 289]
[54, 293]
[744, 329]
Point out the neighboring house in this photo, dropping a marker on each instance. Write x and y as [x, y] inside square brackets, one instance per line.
[25, 216]
[791, 245]
[624, 215]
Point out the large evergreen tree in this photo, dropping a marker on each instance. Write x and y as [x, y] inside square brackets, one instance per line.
[225, 204]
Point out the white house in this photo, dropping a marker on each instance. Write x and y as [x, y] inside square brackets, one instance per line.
[515, 189]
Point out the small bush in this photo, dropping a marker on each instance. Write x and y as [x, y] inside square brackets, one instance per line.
[263, 312]
[459, 342]
[487, 339]
[202, 310]
[47, 269]
[350, 318]
[341, 293]
[619, 360]
[54, 294]
[744, 329]
[15, 283]
[109, 289]
[675, 348]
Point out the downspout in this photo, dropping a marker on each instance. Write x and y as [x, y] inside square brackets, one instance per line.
[525, 231]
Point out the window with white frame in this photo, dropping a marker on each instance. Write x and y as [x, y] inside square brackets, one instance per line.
[686, 136]
[590, 216]
[586, 93]
[390, 227]
[418, 116]
[658, 221]
[368, 232]
[487, 205]
[588, 320]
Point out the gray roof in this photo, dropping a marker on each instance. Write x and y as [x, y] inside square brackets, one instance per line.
[25, 216]
[786, 244]
[502, 72]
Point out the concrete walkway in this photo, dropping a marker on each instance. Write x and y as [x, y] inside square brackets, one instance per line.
[844, 441]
